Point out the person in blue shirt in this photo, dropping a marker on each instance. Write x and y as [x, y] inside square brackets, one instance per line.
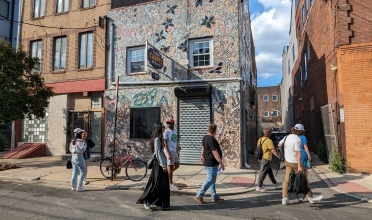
[305, 153]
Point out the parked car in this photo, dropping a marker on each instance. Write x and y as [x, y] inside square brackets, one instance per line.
[276, 137]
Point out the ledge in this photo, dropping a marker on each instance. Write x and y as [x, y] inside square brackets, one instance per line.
[134, 74]
[37, 18]
[85, 69]
[87, 8]
[202, 68]
[58, 71]
[61, 13]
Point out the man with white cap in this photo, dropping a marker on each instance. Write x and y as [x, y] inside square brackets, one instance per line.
[292, 156]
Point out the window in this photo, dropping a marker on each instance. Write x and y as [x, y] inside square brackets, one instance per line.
[62, 6]
[39, 8]
[305, 66]
[35, 130]
[201, 52]
[142, 121]
[308, 51]
[275, 98]
[36, 49]
[274, 113]
[59, 53]
[88, 3]
[86, 50]
[266, 98]
[136, 60]
[96, 100]
[289, 68]
[266, 114]
[303, 15]
[4, 9]
[293, 52]
[301, 76]
[290, 95]
[311, 2]
[306, 7]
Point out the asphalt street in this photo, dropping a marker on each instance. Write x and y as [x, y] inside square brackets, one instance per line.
[37, 200]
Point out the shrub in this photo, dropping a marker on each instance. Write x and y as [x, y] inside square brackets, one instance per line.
[321, 150]
[337, 163]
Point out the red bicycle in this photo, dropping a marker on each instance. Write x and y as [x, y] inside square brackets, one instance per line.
[135, 169]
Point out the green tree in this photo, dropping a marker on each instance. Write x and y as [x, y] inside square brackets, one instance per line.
[22, 90]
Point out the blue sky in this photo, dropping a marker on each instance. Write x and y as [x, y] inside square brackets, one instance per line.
[270, 27]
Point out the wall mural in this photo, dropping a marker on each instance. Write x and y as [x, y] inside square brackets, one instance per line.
[168, 26]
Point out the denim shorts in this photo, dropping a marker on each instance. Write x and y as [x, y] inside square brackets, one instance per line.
[86, 155]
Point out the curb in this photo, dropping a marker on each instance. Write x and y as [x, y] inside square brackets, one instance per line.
[325, 179]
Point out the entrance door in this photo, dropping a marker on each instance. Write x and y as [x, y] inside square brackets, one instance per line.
[194, 119]
[329, 130]
[77, 120]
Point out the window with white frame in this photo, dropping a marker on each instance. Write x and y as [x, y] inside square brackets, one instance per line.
[266, 114]
[39, 8]
[59, 55]
[86, 50]
[136, 59]
[275, 98]
[266, 98]
[4, 9]
[88, 3]
[62, 6]
[305, 66]
[96, 100]
[36, 49]
[274, 113]
[201, 52]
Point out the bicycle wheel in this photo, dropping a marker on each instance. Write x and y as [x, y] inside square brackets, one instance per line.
[136, 171]
[106, 168]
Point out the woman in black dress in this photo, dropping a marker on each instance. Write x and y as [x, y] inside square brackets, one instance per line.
[157, 188]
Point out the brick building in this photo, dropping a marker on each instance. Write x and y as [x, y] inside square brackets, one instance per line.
[269, 107]
[331, 77]
[204, 72]
[69, 39]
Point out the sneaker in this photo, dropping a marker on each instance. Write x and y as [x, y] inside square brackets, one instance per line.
[80, 189]
[173, 186]
[217, 200]
[146, 206]
[260, 189]
[200, 200]
[73, 189]
[315, 199]
[86, 182]
[286, 201]
[278, 185]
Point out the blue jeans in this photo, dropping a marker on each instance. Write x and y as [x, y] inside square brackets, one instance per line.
[78, 165]
[210, 183]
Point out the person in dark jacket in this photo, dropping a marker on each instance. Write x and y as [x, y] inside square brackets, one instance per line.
[90, 144]
[157, 189]
[211, 158]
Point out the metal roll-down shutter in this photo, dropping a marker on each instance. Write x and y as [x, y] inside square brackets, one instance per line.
[194, 119]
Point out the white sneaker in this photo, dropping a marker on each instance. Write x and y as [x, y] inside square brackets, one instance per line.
[73, 189]
[286, 201]
[173, 186]
[80, 189]
[260, 189]
[278, 185]
[146, 206]
[315, 199]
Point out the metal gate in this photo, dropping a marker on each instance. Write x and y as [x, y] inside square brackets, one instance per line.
[77, 120]
[194, 119]
[329, 130]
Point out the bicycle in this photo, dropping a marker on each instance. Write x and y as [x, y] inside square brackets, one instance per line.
[135, 169]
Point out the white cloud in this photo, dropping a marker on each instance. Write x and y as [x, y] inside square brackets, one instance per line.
[270, 34]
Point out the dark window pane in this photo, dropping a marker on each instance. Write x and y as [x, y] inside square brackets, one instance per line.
[142, 121]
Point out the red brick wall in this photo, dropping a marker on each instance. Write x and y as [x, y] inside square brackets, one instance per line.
[269, 105]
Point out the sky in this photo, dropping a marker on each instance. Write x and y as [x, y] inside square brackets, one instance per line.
[270, 27]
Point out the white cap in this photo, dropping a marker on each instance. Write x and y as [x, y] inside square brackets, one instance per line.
[78, 130]
[299, 127]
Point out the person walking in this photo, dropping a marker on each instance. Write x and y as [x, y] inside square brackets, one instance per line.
[305, 153]
[89, 144]
[211, 157]
[77, 148]
[157, 189]
[171, 149]
[268, 150]
[292, 156]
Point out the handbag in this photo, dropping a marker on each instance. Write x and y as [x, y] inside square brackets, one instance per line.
[69, 164]
[150, 162]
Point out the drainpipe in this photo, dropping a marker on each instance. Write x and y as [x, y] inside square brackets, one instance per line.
[244, 125]
[111, 52]
[12, 23]
[20, 12]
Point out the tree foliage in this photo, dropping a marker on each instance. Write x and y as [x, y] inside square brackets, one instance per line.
[22, 90]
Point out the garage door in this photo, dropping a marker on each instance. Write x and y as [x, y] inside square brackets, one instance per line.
[194, 119]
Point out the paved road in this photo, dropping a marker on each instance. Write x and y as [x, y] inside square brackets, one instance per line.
[27, 200]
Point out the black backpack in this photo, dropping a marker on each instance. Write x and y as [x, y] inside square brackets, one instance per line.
[258, 152]
[298, 184]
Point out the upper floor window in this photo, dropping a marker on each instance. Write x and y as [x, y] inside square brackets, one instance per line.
[201, 52]
[136, 59]
[36, 49]
[303, 16]
[289, 68]
[274, 113]
[266, 98]
[307, 7]
[4, 9]
[88, 3]
[311, 2]
[293, 53]
[59, 53]
[39, 8]
[266, 114]
[86, 50]
[305, 66]
[62, 6]
[275, 98]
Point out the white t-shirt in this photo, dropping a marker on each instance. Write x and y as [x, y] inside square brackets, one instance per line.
[79, 146]
[172, 139]
[291, 145]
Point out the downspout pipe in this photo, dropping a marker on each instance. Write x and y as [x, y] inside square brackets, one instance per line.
[111, 52]
[20, 13]
[244, 125]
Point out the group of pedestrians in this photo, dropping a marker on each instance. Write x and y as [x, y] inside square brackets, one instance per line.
[296, 159]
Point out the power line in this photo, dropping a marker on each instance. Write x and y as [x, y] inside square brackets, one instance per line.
[44, 26]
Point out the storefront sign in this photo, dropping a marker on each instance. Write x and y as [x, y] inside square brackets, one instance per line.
[155, 76]
[154, 57]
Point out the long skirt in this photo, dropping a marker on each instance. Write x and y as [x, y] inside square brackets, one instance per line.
[157, 188]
